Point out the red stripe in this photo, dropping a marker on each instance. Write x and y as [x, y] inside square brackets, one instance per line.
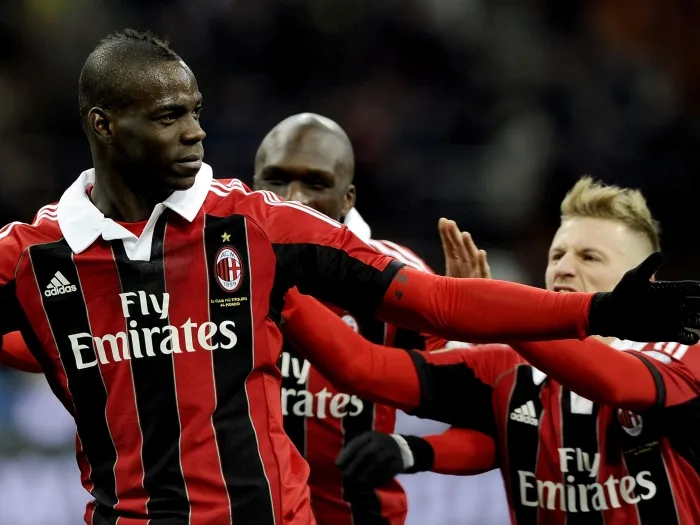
[685, 482]
[194, 376]
[551, 438]
[280, 459]
[101, 291]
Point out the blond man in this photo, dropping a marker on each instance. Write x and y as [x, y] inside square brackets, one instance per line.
[590, 432]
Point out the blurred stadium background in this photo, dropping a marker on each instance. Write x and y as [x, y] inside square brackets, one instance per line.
[483, 111]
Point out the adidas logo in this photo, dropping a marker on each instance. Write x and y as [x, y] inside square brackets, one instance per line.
[525, 414]
[59, 285]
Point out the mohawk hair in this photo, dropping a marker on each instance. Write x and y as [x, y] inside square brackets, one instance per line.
[114, 64]
[593, 199]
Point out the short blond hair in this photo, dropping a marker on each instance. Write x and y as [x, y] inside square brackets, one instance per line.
[594, 199]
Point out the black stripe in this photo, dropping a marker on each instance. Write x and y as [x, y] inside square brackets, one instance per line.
[658, 380]
[441, 389]
[293, 395]
[12, 312]
[104, 519]
[247, 485]
[522, 441]
[154, 379]
[579, 432]
[332, 275]
[365, 505]
[407, 339]
[67, 314]
[642, 455]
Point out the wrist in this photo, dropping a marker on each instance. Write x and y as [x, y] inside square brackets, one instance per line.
[422, 452]
[596, 314]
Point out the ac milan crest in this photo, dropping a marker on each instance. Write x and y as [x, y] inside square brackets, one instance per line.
[630, 422]
[228, 269]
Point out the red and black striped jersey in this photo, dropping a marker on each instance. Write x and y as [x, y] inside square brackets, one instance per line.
[164, 346]
[566, 460]
[320, 419]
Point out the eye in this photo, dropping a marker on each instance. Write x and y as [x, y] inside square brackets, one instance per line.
[167, 119]
[197, 112]
[589, 257]
[555, 256]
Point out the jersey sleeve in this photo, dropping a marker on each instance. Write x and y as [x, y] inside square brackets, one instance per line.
[404, 337]
[463, 452]
[15, 354]
[675, 369]
[457, 385]
[323, 258]
[374, 372]
[10, 251]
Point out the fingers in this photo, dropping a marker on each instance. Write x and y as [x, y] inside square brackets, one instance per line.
[458, 248]
[687, 337]
[468, 247]
[649, 266]
[692, 321]
[361, 463]
[483, 265]
[351, 449]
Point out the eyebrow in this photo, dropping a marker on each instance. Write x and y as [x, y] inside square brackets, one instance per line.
[176, 106]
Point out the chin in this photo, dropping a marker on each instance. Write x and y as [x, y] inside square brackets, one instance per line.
[180, 183]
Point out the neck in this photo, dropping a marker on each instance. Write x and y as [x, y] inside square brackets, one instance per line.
[121, 201]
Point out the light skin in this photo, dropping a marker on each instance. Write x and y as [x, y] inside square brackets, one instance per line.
[592, 255]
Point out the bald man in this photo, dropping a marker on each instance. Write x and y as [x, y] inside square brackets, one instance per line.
[309, 158]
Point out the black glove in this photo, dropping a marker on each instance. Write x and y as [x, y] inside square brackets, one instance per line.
[647, 311]
[374, 458]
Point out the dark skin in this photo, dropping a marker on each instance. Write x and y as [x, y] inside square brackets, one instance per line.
[310, 161]
[151, 148]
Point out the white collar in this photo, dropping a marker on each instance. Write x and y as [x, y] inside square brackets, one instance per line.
[618, 344]
[82, 223]
[357, 225]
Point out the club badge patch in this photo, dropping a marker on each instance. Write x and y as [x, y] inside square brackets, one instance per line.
[228, 269]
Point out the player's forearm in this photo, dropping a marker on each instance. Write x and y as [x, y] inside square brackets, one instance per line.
[483, 310]
[377, 373]
[594, 370]
[462, 452]
[15, 354]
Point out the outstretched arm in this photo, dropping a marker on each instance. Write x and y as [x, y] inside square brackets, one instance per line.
[374, 458]
[378, 373]
[326, 260]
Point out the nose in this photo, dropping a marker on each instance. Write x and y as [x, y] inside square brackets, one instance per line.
[295, 192]
[565, 266]
[193, 132]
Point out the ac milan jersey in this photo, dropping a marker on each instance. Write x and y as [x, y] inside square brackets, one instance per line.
[320, 420]
[164, 346]
[566, 460]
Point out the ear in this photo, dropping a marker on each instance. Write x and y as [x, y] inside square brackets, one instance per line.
[349, 201]
[100, 124]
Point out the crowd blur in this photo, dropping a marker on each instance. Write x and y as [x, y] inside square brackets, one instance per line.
[483, 111]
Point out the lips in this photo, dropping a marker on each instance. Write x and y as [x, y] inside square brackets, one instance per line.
[190, 158]
[564, 289]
